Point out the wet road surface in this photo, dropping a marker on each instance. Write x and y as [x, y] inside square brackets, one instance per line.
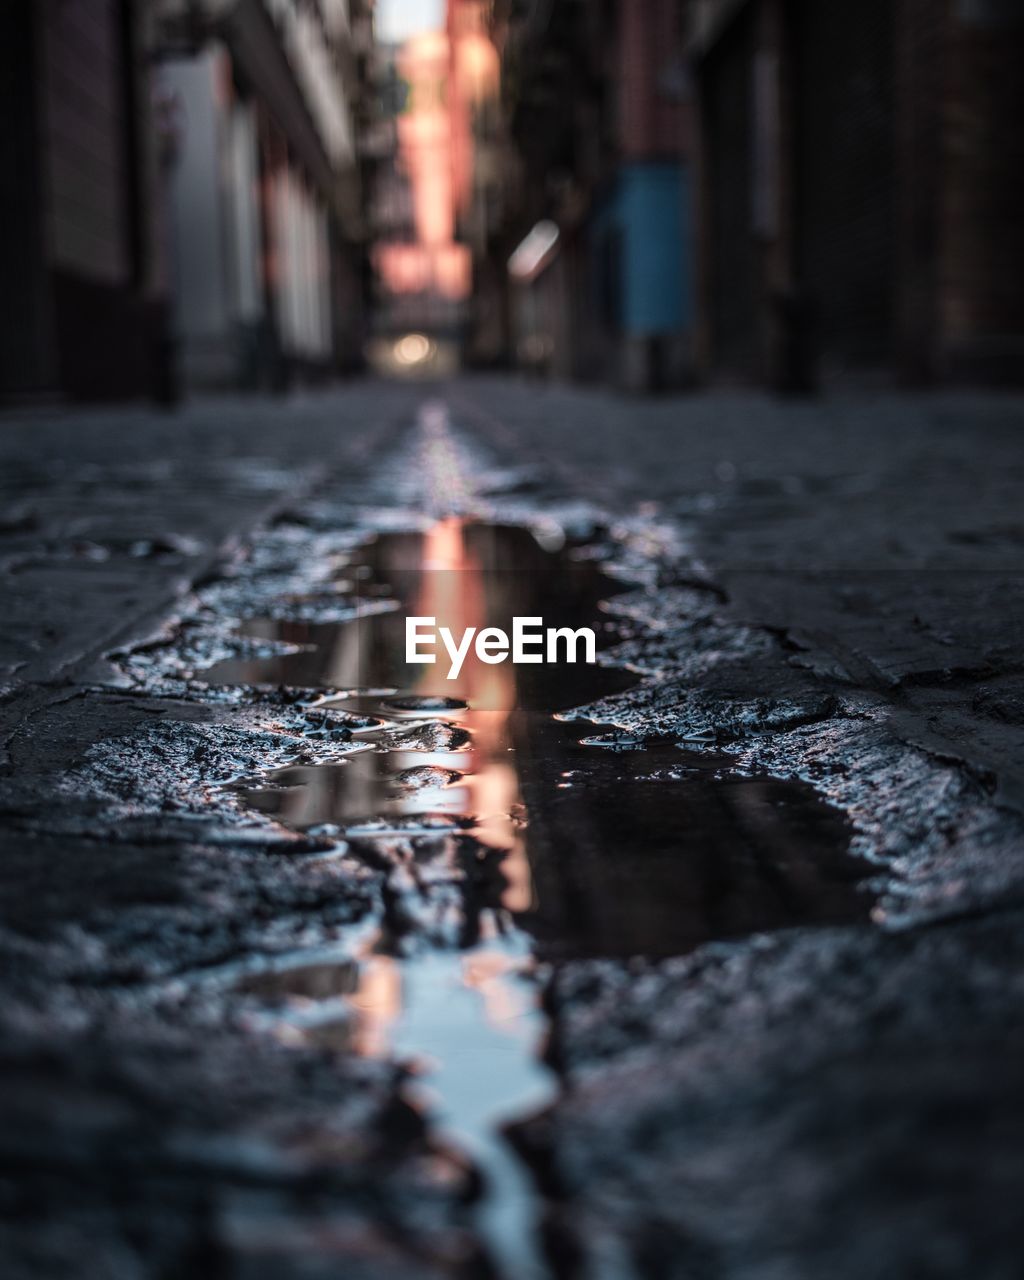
[600, 861]
[535, 972]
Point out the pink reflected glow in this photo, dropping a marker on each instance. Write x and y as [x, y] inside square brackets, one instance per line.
[456, 597]
[434, 261]
[450, 76]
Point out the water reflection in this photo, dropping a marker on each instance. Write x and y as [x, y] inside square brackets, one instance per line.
[431, 804]
[625, 864]
[613, 862]
[463, 575]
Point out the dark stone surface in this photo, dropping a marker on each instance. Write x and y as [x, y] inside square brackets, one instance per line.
[832, 595]
[839, 1103]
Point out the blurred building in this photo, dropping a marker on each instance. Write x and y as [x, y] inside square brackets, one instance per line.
[862, 189]
[482, 167]
[421, 270]
[261, 102]
[599, 201]
[81, 245]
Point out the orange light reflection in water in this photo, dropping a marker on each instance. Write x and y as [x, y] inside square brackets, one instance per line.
[377, 1005]
[454, 592]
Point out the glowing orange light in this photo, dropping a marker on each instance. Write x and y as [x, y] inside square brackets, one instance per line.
[454, 593]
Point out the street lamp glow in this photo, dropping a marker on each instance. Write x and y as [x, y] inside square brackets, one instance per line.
[414, 348]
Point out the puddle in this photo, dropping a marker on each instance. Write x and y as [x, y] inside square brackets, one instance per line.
[546, 845]
[619, 857]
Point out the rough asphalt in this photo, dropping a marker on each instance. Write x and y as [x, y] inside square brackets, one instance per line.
[825, 590]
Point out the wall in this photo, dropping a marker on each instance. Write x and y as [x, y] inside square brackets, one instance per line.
[844, 152]
[304, 280]
[221, 218]
[80, 256]
[206, 352]
[27, 354]
[981, 233]
[245, 232]
[85, 139]
[731, 268]
[886, 237]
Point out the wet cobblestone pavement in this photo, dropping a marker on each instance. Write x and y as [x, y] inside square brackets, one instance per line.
[720, 976]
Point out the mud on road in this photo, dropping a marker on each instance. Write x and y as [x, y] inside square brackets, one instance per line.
[690, 965]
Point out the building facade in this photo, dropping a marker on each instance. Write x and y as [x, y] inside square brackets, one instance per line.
[182, 197]
[262, 103]
[81, 250]
[862, 197]
[597, 99]
[422, 278]
[482, 172]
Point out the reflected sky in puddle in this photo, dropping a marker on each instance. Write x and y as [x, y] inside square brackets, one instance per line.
[468, 1026]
